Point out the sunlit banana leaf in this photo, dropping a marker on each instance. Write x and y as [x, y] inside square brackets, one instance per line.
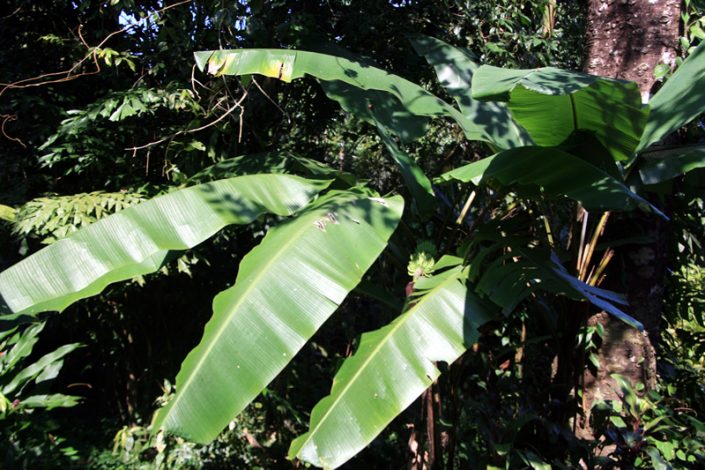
[285, 289]
[557, 173]
[137, 240]
[390, 369]
[551, 104]
[679, 101]
[455, 68]
[287, 65]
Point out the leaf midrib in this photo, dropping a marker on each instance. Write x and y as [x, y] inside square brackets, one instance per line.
[234, 309]
[400, 323]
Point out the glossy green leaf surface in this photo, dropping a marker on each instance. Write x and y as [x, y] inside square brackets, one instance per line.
[551, 104]
[136, 240]
[557, 173]
[679, 101]
[287, 65]
[455, 68]
[285, 289]
[391, 368]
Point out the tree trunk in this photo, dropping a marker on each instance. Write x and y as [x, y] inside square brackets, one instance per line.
[627, 39]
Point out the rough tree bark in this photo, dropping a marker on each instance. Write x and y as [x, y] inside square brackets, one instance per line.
[627, 39]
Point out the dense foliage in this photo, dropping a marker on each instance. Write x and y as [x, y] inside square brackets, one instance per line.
[284, 198]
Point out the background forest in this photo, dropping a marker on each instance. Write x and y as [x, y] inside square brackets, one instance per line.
[102, 107]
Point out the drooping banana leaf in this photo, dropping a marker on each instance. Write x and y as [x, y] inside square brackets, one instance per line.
[557, 173]
[508, 279]
[378, 108]
[287, 65]
[663, 165]
[679, 101]
[551, 104]
[285, 289]
[391, 368]
[455, 68]
[137, 240]
[415, 179]
[390, 118]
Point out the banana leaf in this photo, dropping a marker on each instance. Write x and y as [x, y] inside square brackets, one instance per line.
[288, 65]
[663, 165]
[415, 179]
[391, 368]
[555, 173]
[137, 240]
[285, 289]
[271, 162]
[679, 101]
[455, 68]
[551, 104]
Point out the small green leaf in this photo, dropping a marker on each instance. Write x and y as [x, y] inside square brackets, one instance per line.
[661, 70]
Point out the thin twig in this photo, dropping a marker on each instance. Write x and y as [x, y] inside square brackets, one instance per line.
[238, 104]
[68, 75]
[271, 100]
[9, 118]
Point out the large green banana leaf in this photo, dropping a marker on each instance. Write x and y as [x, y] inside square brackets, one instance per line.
[455, 68]
[391, 368]
[137, 240]
[285, 289]
[557, 173]
[679, 101]
[288, 65]
[551, 104]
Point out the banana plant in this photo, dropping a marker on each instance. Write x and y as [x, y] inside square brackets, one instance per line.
[551, 134]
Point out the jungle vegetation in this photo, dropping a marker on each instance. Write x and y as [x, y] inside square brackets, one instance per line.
[270, 234]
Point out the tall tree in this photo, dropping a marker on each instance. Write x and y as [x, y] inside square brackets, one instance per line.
[627, 40]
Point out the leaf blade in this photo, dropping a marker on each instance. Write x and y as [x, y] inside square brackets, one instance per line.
[285, 289]
[557, 172]
[679, 101]
[388, 372]
[289, 65]
[136, 240]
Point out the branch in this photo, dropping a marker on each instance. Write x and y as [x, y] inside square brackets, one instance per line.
[238, 104]
[68, 75]
[9, 118]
